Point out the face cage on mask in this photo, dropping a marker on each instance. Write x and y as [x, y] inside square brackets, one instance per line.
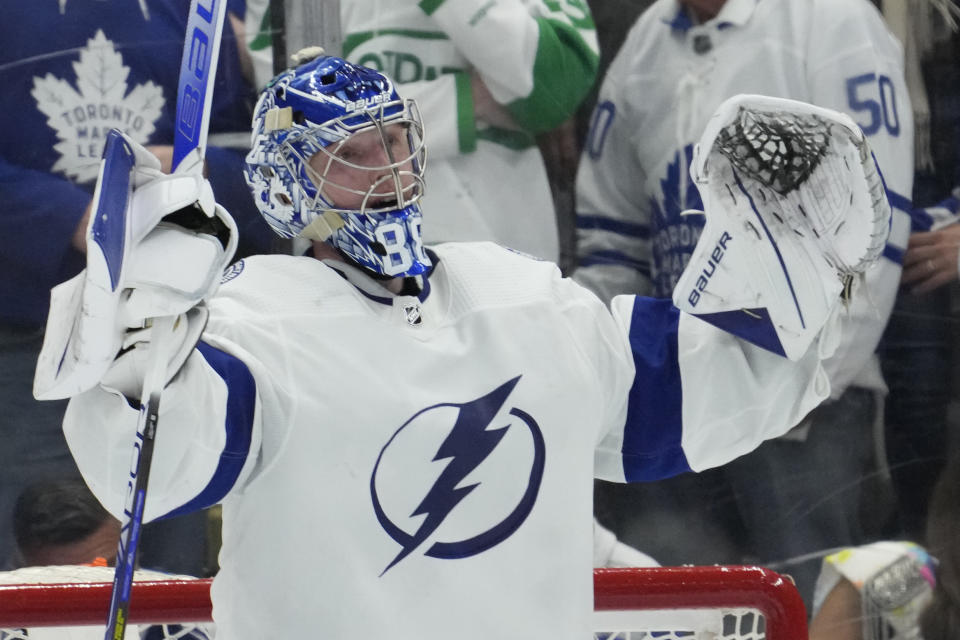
[300, 148]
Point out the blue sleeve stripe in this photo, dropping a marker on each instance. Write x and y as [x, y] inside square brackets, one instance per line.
[951, 204]
[898, 201]
[621, 227]
[241, 400]
[920, 220]
[652, 447]
[893, 254]
[609, 257]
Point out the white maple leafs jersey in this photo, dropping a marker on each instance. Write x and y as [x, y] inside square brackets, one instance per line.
[420, 465]
[538, 57]
[666, 81]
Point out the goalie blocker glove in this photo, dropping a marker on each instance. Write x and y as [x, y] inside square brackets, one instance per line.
[157, 245]
[796, 211]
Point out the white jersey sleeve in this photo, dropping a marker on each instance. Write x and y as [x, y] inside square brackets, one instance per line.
[613, 209]
[855, 65]
[207, 444]
[699, 396]
[668, 393]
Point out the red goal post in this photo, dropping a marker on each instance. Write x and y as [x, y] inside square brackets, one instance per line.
[721, 602]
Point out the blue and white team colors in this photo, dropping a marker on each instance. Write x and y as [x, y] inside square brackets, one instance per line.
[391, 459]
[71, 71]
[670, 76]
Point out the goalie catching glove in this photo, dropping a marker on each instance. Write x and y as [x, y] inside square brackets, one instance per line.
[157, 245]
[796, 211]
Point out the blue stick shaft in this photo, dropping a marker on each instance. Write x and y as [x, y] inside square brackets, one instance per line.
[201, 49]
[137, 480]
[194, 97]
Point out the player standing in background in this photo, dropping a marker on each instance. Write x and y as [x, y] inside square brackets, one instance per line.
[488, 79]
[405, 436]
[680, 60]
[73, 69]
[918, 348]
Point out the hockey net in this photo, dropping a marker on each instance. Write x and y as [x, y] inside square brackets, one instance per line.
[666, 603]
[71, 602]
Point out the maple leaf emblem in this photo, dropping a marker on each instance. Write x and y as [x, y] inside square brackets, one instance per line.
[675, 236]
[82, 116]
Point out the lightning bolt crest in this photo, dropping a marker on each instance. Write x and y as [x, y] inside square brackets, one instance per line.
[467, 445]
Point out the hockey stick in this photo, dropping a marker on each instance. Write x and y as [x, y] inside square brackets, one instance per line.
[194, 96]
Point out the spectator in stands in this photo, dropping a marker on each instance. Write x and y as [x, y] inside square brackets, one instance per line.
[682, 58]
[71, 70]
[484, 105]
[917, 348]
[896, 590]
[61, 522]
[933, 257]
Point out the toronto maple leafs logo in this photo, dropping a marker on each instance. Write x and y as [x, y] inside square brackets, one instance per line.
[675, 235]
[82, 115]
[459, 479]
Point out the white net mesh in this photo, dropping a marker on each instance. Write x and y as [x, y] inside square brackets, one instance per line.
[681, 624]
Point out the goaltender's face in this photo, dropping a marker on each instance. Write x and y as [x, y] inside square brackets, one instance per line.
[367, 170]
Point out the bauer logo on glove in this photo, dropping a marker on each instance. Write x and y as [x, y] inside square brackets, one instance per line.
[795, 210]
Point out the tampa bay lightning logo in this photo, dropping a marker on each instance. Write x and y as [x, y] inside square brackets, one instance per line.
[442, 521]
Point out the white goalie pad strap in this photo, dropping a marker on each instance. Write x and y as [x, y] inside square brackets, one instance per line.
[779, 245]
[128, 249]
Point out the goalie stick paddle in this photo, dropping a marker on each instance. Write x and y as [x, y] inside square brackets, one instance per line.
[194, 96]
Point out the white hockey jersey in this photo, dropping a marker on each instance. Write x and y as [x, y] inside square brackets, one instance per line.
[538, 57]
[669, 77]
[418, 466]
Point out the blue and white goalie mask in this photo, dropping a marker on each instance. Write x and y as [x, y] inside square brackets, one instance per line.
[337, 156]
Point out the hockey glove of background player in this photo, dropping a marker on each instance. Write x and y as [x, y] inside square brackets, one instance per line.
[796, 211]
[159, 252]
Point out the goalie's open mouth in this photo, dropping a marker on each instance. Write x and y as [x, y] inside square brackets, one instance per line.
[382, 203]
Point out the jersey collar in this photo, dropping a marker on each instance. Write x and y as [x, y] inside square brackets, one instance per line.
[374, 290]
[735, 13]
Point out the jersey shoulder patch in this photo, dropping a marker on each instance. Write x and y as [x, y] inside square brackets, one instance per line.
[232, 272]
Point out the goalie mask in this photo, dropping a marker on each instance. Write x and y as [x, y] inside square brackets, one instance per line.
[337, 156]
